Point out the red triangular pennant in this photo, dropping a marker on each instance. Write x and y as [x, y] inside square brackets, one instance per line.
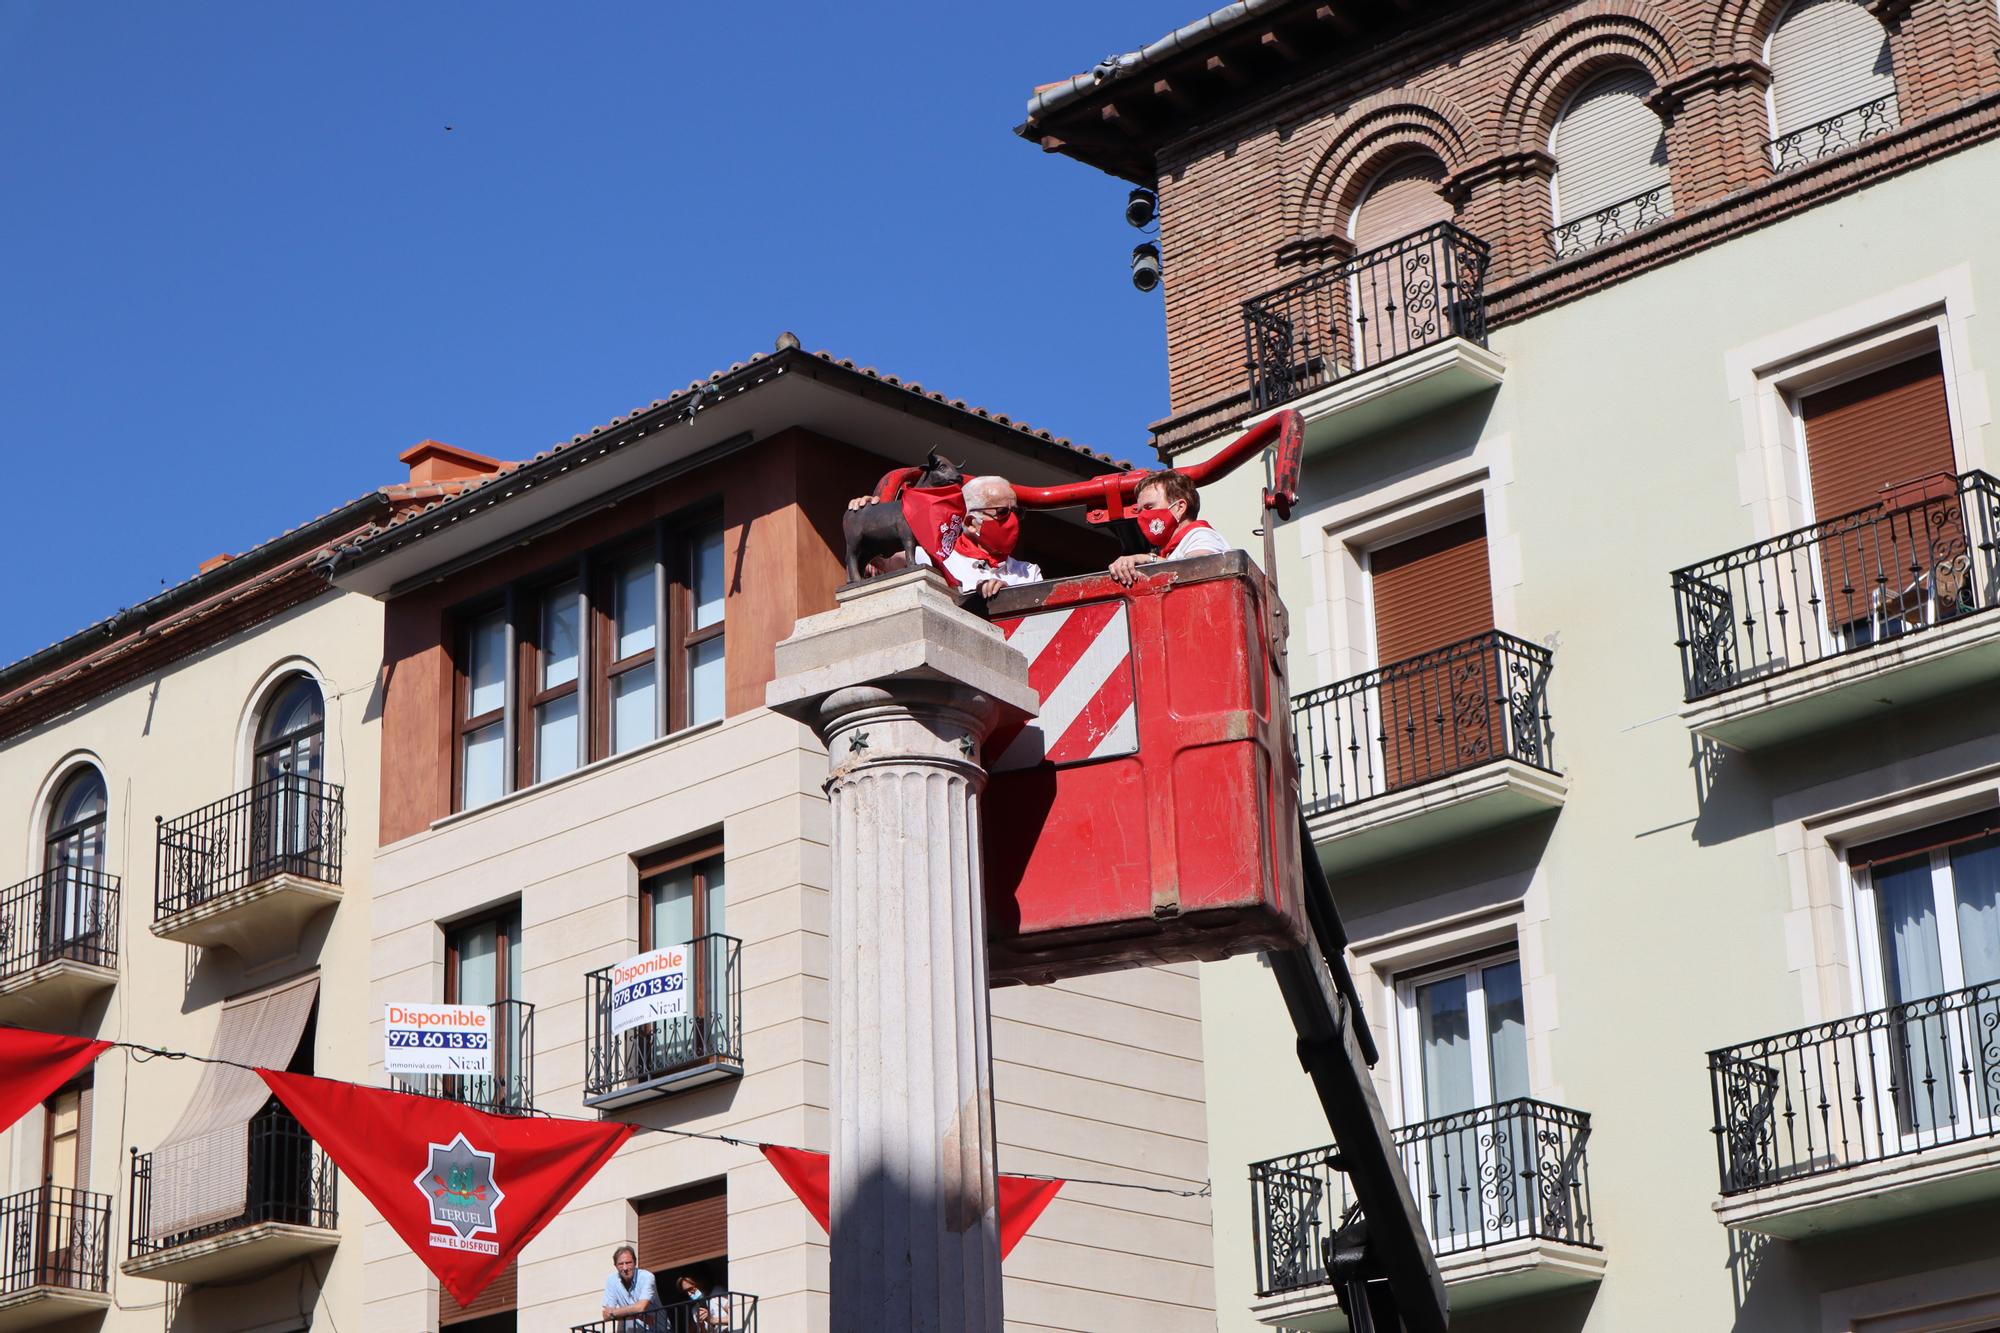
[35, 1064]
[465, 1189]
[1022, 1198]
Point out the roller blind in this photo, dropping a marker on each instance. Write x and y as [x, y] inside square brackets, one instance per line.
[501, 1295]
[1431, 590]
[1403, 199]
[1876, 431]
[683, 1227]
[1826, 57]
[1609, 146]
[201, 1169]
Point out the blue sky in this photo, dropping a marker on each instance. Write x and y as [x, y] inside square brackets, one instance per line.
[247, 263]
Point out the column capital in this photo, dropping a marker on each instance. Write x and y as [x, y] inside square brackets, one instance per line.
[905, 628]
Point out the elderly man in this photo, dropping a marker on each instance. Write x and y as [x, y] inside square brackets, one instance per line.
[983, 559]
[1167, 509]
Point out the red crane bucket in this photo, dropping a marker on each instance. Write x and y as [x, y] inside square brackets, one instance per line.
[1150, 814]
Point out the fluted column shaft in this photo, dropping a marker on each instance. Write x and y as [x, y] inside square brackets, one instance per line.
[903, 686]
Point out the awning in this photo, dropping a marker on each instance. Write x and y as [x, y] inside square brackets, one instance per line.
[201, 1170]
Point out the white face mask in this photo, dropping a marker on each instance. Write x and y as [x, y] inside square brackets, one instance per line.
[694, 1293]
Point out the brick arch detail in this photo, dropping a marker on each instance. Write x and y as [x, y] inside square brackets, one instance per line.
[1602, 37]
[1370, 136]
[1741, 27]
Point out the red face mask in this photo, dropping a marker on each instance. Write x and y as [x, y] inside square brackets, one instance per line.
[1157, 526]
[998, 534]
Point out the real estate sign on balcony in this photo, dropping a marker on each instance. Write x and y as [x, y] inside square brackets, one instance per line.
[651, 987]
[437, 1038]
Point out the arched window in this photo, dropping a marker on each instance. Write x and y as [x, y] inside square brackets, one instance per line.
[1405, 196]
[1399, 268]
[291, 808]
[75, 832]
[291, 734]
[1832, 82]
[73, 862]
[1611, 163]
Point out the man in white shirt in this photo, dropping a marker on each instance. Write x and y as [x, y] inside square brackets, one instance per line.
[983, 559]
[1167, 509]
[630, 1295]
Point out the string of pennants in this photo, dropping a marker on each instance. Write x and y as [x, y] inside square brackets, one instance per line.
[439, 1171]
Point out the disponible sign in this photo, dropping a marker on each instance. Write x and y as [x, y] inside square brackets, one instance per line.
[652, 987]
[438, 1038]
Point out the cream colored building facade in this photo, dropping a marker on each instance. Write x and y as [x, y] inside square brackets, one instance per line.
[1096, 1079]
[165, 711]
[1682, 878]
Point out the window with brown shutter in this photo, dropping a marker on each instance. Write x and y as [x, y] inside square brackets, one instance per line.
[500, 1296]
[686, 1231]
[1868, 440]
[1432, 593]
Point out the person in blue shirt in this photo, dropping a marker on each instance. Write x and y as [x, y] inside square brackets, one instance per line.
[630, 1293]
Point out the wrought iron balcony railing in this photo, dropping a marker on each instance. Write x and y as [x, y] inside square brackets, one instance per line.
[290, 1180]
[282, 826]
[1611, 223]
[1889, 1083]
[1379, 305]
[54, 1237]
[1835, 134]
[1425, 718]
[510, 1088]
[65, 913]
[723, 1312]
[1509, 1172]
[1922, 557]
[712, 1033]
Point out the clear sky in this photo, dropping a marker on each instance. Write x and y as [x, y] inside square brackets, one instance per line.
[254, 250]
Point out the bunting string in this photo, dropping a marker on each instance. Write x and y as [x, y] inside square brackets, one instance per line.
[143, 1054]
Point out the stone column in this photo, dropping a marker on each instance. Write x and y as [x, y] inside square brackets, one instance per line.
[903, 685]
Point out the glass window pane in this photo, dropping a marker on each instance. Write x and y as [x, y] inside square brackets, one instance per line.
[513, 991]
[1912, 965]
[487, 669]
[478, 964]
[673, 907]
[633, 718]
[637, 608]
[485, 765]
[1506, 1030]
[1975, 875]
[1444, 1037]
[705, 682]
[555, 738]
[559, 636]
[708, 579]
[711, 870]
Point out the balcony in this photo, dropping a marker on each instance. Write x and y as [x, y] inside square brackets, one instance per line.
[291, 1209]
[58, 944]
[1612, 223]
[1824, 626]
[1425, 750]
[510, 1088]
[621, 1068]
[1391, 334]
[1835, 134]
[1862, 1120]
[723, 1312]
[247, 872]
[55, 1245]
[1505, 1196]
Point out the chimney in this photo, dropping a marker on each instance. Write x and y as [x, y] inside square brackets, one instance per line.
[434, 461]
[214, 562]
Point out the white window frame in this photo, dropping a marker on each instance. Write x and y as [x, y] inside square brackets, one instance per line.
[1409, 1063]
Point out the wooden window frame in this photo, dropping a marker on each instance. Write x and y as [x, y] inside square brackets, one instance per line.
[498, 917]
[655, 864]
[532, 621]
[467, 622]
[672, 542]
